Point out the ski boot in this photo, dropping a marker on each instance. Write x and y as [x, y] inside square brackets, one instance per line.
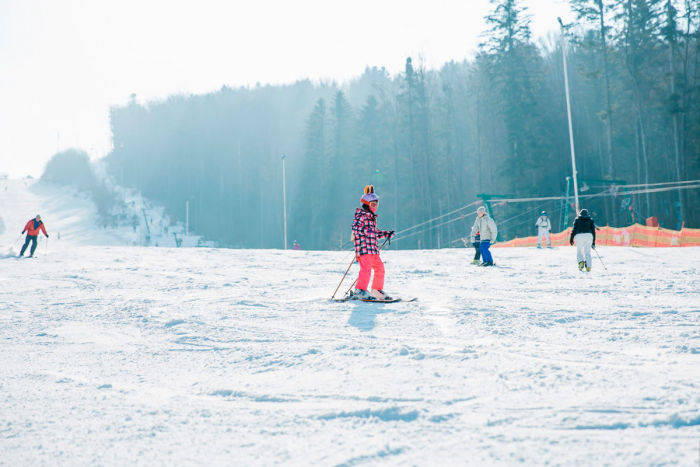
[581, 265]
[539, 247]
[487, 264]
[384, 295]
[588, 268]
[476, 261]
[360, 294]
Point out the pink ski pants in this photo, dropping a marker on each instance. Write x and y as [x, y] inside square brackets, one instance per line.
[367, 263]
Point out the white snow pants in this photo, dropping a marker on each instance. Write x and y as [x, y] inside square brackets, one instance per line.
[543, 233]
[584, 241]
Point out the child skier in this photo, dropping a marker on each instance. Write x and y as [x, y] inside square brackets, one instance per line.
[584, 235]
[33, 227]
[476, 242]
[366, 235]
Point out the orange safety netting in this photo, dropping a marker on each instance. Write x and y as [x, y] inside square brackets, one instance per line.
[634, 235]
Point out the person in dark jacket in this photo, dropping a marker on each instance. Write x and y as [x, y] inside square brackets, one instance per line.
[476, 242]
[33, 227]
[583, 234]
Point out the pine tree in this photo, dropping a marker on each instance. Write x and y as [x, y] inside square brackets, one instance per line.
[341, 166]
[597, 12]
[314, 223]
[639, 41]
[670, 33]
[515, 68]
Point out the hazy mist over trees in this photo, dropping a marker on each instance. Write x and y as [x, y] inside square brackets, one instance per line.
[72, 167]
[431, 140]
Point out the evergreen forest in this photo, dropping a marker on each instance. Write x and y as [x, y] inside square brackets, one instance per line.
[432, 140]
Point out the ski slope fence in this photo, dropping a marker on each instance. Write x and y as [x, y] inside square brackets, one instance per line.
[634, 235]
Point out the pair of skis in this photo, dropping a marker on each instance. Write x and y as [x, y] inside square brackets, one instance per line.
[393, 300]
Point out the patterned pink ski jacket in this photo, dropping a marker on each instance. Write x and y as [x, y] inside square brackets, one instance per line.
[364, 228]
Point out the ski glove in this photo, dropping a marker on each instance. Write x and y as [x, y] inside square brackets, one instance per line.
[571, 242]
[47, 236]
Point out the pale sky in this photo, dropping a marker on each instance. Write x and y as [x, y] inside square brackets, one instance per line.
[63, 63]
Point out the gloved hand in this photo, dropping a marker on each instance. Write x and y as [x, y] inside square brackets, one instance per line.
[47, 236]
[571, 242]
[391, 233]
[593, 246]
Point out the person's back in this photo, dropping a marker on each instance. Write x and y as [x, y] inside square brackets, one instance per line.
[583, 234]
[584, 225]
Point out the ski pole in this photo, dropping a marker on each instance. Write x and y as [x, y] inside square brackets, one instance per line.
[350, 253]
[20, 236]
[353, 284]
[341, 280]
[601, 260]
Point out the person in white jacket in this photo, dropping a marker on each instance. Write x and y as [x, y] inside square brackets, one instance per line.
[543, 227]
[488, 231]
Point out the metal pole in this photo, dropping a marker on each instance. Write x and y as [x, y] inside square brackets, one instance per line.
[187, 217]
[565, 212]
[568, 110]
[58, 143]
[284, 197]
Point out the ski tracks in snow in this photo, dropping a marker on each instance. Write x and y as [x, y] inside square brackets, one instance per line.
[157, 356]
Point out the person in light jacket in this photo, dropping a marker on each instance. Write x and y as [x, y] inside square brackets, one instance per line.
[543, 227]
[488, 230]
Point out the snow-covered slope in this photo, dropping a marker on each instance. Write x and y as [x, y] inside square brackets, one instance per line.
[154, 356]
[71, 218]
